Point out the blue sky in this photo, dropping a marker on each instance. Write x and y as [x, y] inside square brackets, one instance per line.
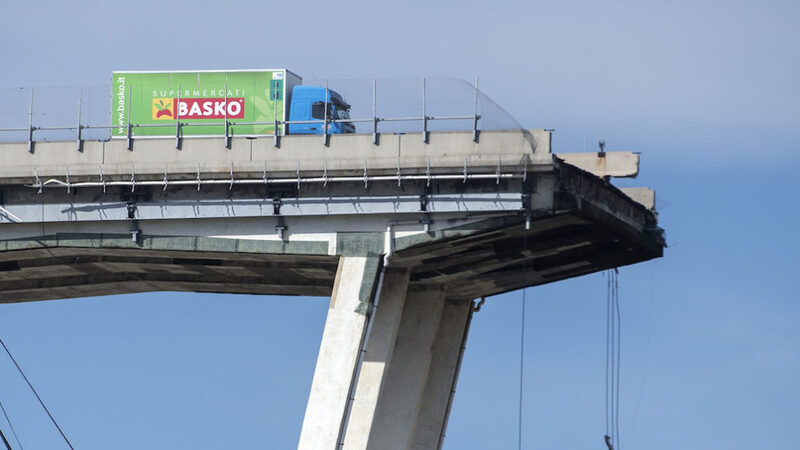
[707, 92]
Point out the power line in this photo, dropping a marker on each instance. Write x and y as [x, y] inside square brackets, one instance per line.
[522, 341]
[521, 368]
[52, 419]
[5, 441]
[608, 350]
[14, 432]
[613, 351]
[618, 352]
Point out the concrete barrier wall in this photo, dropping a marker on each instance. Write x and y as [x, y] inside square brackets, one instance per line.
[445, 152]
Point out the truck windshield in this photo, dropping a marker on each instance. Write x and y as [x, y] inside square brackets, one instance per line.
[341, 114]
[342, 109]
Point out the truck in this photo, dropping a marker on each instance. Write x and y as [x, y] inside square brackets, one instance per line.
[227, 102]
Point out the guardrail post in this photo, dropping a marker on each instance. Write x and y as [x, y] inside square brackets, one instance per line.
[130, 128]
[325, 141]
[475, 117]
[227, 124]
[276, 139]
[424, 116]
[374, 112]
[30, 125]
[227, 134]
[178, 118]
[79, 143]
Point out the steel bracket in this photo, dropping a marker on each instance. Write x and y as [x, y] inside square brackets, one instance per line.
[426, 222]
[281, 228]
[528, 189]
[102, 180]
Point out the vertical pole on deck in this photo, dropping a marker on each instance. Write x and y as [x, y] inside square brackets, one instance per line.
[178, 119]
[30, 124]
[275, 95]
[374, 112]
[325, 118]
[424, 116]
[130, 128]
[227, 124]
[475, 117]
[78, 143]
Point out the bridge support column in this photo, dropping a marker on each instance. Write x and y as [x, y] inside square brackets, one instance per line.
[440, 386]
[414, 398]
[338, 352]
[399, 403]
[407, 374]
[375, 367]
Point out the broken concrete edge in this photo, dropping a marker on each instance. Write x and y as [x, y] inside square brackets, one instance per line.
[574, 183]
[613, 212]
[642, 195]
[610, 164]
[585, 185]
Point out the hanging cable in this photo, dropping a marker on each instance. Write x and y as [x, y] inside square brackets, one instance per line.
[608, 357]
[522, 338]
[521, 368]
[613, 351]
[5, 441]
[618, 353]
[10, 425]
[613, 357]
[52, 419]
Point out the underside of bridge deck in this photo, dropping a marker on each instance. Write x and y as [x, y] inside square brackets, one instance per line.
[483, 258]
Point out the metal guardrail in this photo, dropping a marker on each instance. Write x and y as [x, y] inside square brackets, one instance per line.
[277, 124]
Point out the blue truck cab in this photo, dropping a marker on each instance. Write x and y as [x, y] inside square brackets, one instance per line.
[308, 104]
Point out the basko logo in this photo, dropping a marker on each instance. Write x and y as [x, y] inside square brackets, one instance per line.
[197, 108]
[163, 108]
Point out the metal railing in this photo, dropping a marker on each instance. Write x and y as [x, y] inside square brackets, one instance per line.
[279, 126]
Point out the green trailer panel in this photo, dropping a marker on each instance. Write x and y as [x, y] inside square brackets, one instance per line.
[202, 101]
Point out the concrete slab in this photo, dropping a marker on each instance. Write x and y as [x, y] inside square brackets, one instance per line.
[608, 164]
[641, 195]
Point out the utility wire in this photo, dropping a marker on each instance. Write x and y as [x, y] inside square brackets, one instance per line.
[14, 432]
[613, 351]
[5, 441]
[37, 395]
[618, 352]
[608, 349]
[522, 340]
[521, 368]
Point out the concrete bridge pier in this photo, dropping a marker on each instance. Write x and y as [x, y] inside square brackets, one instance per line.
[397, 395]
